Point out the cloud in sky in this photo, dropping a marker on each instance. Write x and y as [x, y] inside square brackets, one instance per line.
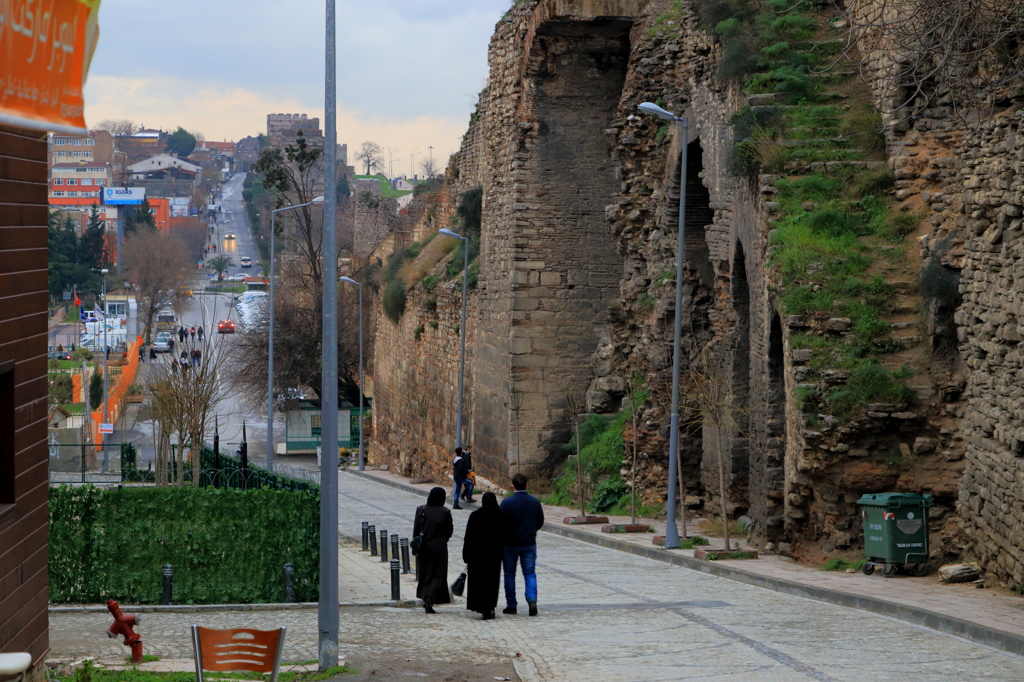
[408, 70]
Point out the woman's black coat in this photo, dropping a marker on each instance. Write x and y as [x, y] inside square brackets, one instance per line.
[435, 523]
[483, 550]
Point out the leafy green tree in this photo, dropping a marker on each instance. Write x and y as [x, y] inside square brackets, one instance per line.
[139, 219]
[67, 267]
[95, 390]
[61, 389]
[92, 246]
[220, 264]
[181, 142]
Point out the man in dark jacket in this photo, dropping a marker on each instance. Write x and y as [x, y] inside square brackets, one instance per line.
[460, 469]
[525, 518]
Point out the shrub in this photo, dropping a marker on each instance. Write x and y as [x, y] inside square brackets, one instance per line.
[874, 182]
[868, 383]
[95, 390]
[418, 332]
[61, 388]
[429, 282]
[81, 355]
[864, 123]
[393, 300]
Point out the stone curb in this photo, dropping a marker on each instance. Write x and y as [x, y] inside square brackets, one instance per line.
[208, 608]
[958, 627]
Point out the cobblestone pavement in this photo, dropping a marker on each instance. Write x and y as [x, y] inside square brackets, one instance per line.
[605, 615]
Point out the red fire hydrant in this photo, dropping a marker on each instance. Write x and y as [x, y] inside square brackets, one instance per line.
[123, 623]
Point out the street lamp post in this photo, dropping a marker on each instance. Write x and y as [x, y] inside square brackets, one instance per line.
[671, 532]
[327, 614]
[270, 331]
[462, 329]
[362, 457]
[412, 162]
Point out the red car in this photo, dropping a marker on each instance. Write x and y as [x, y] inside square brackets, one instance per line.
[225, 327]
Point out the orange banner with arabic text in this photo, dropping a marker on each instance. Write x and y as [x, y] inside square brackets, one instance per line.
[45, 49]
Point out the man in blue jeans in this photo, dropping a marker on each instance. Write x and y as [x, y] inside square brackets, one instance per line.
[525, 518]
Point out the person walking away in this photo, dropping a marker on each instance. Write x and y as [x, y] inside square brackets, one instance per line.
[152, 353]
[182, 334]
[525, 518]
[170, 346]
[192, 331]
[483, 552]
[470, 484]
[199, 333]
[196, 356]
[142, 353]
[434, 522]
[460, 469]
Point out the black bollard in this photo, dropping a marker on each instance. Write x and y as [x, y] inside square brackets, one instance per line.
[404, 542]
[372, 533]
[289, 583]
[366, 540]
[384, 546]
[394, 545]
[168, 583]
[396, 591]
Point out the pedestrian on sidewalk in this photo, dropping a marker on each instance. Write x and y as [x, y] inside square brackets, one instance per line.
[483, 552]
[142, 353]
[152, 353]
[197, 355]
[181, 335]
[199, 333]
[192, 331]
[434, 522]
[470, 484]
[460, 469]
[525, 518]
[170, 346]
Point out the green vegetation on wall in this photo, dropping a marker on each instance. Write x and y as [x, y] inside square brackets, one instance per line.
[226, 546]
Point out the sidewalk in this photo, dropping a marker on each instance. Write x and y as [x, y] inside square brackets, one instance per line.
[984, 616]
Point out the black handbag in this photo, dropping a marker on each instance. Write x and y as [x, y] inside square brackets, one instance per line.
[459, 586]
[415, 544]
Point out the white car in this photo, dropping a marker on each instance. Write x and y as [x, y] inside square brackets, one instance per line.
[237, 278]
[161, 344]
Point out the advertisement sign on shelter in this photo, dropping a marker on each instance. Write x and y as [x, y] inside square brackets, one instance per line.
[124, 196]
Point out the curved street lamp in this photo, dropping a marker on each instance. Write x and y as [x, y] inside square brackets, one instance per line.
[362, 458]
[270, 330]
[671, 531]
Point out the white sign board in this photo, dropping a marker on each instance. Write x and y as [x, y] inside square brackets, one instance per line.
[124, 196]
[106, 428]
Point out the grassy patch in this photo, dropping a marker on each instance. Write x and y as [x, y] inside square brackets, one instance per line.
[713, 527]
[837, 564]
[89, 673]
[694, 541]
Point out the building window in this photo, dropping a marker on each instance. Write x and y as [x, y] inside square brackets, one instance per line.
[100, 182]
[87, 155]
[58, 153]
[90, 142]
[58, 181]
[86, 181]
[7, 492]
[72, 181]
[58, 194]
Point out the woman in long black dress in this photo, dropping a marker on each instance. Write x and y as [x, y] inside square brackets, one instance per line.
[482, 550]
[434, 522]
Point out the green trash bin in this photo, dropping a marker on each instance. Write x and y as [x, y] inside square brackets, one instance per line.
[895, 532]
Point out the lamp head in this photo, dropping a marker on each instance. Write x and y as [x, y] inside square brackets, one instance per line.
[318, 200]
[448, 233]
[653, 109]
[343, 278]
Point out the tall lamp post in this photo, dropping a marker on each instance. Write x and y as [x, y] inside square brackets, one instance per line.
[462, 328]
[671, 532]
[362, 458]
[106, 453]
[270, 330]
[327, 614]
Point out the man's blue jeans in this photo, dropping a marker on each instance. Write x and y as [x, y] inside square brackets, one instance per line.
[527, 557]
[457, 489]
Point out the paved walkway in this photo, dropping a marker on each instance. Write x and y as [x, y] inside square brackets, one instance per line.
[988, 616]
[605, 615]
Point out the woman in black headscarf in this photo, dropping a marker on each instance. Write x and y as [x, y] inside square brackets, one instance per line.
[482, 551]
[434, 523]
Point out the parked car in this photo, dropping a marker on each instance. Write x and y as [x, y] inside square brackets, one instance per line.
[225, 327]
[162, 342]
[237, 278]
[54, 354]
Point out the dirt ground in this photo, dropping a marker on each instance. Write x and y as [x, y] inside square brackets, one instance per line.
[459, 667]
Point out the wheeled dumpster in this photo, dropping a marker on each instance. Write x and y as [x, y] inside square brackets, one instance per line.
[895, 532]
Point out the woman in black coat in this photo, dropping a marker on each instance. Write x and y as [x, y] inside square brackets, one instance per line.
[434, 522]
[482, 551]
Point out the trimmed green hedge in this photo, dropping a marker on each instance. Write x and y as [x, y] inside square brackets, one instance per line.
[226, 546]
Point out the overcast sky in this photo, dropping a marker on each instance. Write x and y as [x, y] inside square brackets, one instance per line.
[408, 70]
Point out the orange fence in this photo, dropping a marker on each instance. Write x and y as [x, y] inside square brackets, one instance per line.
[117, 393]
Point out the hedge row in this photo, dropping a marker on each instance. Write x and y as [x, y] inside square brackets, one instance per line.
[226, 545]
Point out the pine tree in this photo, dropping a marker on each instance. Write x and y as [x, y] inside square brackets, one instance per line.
[96, 390]
[140, 218]
[91, 246]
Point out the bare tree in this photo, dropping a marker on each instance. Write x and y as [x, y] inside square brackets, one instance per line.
[429, 167]
[965, 50]
[572, 408]
[369, 155]
[635, 399]
[157, 263]
[184, 401]
[118, 127]
[200, 137]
